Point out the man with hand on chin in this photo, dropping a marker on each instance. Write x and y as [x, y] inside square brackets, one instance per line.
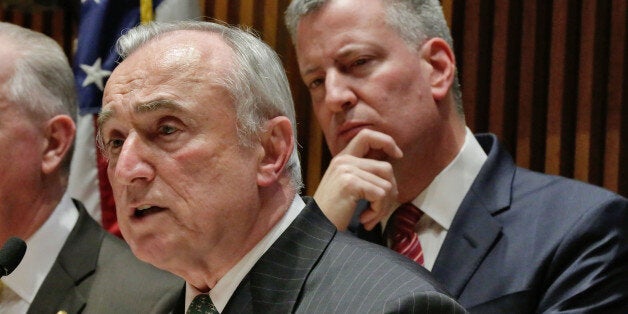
[502, 239]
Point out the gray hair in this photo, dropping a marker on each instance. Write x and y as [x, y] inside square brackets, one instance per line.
[257, 82]
[414, 20]
[42, 81]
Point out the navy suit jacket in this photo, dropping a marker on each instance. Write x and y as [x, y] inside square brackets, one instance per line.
[526, 242]
[95, 272]
[312, 268]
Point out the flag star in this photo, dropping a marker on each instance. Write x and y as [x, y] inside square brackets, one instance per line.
[95, 74]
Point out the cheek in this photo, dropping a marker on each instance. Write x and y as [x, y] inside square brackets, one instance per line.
[324, 118]
[23, 161]
[322, 113]
[115, 187]
[205, 176]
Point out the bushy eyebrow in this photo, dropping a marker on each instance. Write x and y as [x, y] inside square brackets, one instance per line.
[158, 105]
[107, 114]
[341, 54]
[153, 106]
[104, 116]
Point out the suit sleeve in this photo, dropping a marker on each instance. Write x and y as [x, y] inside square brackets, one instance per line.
[589, 273]
[423, 302]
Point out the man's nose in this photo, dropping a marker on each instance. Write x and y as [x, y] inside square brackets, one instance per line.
[132, 163]
[339, 94]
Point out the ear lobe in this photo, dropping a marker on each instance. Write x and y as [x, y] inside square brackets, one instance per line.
[59, 133]
[278, 143]
[443, 66]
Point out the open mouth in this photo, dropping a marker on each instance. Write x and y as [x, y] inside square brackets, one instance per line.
[143, 211]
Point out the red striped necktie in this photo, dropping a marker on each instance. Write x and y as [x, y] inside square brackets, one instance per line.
[403, 237]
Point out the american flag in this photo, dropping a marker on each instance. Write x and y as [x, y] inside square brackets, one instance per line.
[101, 23]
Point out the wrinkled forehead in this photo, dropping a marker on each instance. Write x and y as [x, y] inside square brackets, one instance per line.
[191, 58]
[177, 66]
[183, 49]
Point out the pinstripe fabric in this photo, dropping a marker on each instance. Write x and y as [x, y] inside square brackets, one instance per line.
[314, 269]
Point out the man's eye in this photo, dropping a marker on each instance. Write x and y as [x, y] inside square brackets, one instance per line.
[112, 147]
[115, 143]
[359, 62]
[167, 129]
[315, 83]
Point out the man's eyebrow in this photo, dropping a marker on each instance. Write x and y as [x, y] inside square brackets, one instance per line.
[106, 114]
[158, 105]
[309, 71]
[341, 54]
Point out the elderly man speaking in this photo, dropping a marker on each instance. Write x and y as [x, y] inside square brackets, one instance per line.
[199, 128]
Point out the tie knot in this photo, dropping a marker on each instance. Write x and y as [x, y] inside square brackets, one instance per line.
[406, 216]
[202, 304]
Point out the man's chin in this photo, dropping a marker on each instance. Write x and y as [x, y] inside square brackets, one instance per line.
[149, 252]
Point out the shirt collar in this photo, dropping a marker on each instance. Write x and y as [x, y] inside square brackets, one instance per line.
[42, 249]
[441, 199]
[222, 292]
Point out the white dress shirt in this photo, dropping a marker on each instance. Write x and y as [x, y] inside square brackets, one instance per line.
[441, 199]
[226, 286]
[42, 249]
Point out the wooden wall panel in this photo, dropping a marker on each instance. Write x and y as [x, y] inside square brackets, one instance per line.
[550, 77]
[526, 83]
[615, 141]
[565, 112]
[57, 22]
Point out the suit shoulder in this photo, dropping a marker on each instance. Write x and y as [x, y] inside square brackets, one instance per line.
[567, 197]
[122, 280]
[116, 253]
[348, 245]
[365, 277]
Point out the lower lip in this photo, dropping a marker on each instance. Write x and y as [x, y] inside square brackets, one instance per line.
[348, 135]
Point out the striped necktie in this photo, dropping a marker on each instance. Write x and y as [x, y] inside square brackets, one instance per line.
[202, 304]
[403, 237]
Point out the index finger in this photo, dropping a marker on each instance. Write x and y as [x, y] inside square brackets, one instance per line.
[368, 142]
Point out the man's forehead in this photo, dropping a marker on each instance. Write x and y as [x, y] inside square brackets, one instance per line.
[179, 55]
[196, 58]
[183, 48]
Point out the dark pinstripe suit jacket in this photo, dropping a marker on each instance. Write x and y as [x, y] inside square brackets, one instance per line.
[312, 268]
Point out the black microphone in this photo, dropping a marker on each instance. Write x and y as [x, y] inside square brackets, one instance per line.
[11, 255]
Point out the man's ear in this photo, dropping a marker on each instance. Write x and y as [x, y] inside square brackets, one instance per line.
[443, 66]
[59, 132]
[278, 142]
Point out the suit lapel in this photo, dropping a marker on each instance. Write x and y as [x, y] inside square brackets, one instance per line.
[67, 283]
[474, 229]
[275, 282]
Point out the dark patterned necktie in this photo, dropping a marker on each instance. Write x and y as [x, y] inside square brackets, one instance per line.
[202, 304]
[403, 237]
